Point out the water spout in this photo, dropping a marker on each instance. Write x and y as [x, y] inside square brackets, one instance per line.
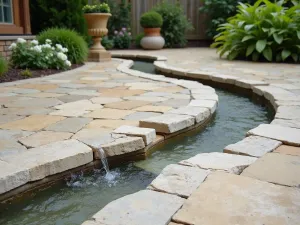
[104, 160]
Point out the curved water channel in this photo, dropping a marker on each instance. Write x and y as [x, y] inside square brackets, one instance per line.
[72, 202]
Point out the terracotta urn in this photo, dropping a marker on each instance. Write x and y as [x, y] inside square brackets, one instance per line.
[97, 28]
[152, 40]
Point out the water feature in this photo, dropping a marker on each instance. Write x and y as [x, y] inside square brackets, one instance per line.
[74, 201]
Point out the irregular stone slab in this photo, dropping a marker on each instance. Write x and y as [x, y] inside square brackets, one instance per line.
[71, 125]
[109, 114]
[288, 112]
[82, 104]
[175, 103]
[141, 115]
[13, 134]
[200, 113]
[28, 111]
[12, 176]
[220, 161]
[99, 123]
[248, 84]
[167, 124]
[84, 92]
[288, 150]
[40, 87]
[144, 207]
[69, 112]
[146, 98]
[105, 100]
[287, 123]
[286, 135]
[121, 93]
[73, 98]
[127, 104]
[276, 168]
[175, 89]
[32, 123]
[123, 145]
[179, 180]
[213, 97]
[8, 118]
[229, 199]
[153, 108]
[253, 146]
[44, 95]
[210, 104]
[36, 102]
[10, 147]
[53, 158]
[25, 91]
[43, 138]
[147, 134]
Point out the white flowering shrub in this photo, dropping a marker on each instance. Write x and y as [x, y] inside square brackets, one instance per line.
[32, 55]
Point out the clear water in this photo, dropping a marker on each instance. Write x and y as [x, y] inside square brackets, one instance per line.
[72, 202]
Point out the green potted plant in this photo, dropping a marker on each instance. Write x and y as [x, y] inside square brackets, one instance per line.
[97, 16]
[152, 22]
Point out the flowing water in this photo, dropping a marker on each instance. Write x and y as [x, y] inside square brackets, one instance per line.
[74, 201]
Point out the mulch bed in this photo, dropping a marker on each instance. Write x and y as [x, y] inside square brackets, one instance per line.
[15, 74]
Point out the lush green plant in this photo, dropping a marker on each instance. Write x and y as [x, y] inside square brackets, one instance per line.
[107, 43]
[34, 56]
[138, 39]
[175, 24]
[78, 49]
[151, 20]
[26, 73]
[3, 65]
[122, 38]
[96, 8]
[217, 12]
[58, 13]
[265, 30]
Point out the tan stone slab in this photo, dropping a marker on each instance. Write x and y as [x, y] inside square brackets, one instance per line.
[82, 105]
[13, 134]
[153, 108]
[44, 95]
[276, 168]
[127, 104]
[72, 125]
[109, 113]
[27, 111]
[41, 87]
[121, 93]
[8, 118]
[227, 199]
[33, 102]
[32, 123]
[288, 150]
[175, 89]
[105, 100]
[10, 147]
[98, 123]
[43, 138]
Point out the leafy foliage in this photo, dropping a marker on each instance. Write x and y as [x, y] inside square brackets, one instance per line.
[151, 20]
[3, 65]
[265, 30]
[96, 8]
[78, 49]
[26, 73]
[107, 43]
[175, 24]
[122, 38]
[138, 39]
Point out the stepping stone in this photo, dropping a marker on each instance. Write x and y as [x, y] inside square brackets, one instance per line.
[43, 138]
[147, 134]
[288, 113]
[71, 125]
[10, 147]
[153, 108]
[276, 168]
[12, 176]
[100, 123]
[210, 104]
[13, 134]
[109, 114]
[144, 207]
[175, 103]
[286, 123]
[220, 161]
[127, 104]
[53, 158]
[179, 180]
[34, 102]
[122, 145]
[253, 146]
[82, 105]
[32, 123]
[229, 199]
[72, 98]
[200, 113]
[288, 150]
[141, 115]
[168, 124]
[9, 118]
[105, 100]
[28, 111]
[120, 93]
[286, 135]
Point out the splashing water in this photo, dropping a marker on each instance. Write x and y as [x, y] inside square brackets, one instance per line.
[104, 160]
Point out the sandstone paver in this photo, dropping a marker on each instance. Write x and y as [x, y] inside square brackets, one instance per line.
[13, 134]
[8, 118]
[200, 113]
[27, 111]
[35, 102]
[120, 93]
[107, 113]
[105, 100]
[102, 123]
[141, 115]
[210, 104]
[10, 147]
[72, 98]
[175, 103]
[127, 104]
[153, 108]
[82, 104]
[40, 87]
[71, 125]
[288, 150]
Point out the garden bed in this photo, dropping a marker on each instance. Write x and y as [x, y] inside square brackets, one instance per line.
[16, 74]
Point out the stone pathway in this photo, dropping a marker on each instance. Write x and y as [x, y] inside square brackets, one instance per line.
[258, 183]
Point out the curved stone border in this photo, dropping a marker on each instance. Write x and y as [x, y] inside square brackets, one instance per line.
[178, 179]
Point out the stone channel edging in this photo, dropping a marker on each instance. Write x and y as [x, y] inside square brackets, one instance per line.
[248, 157]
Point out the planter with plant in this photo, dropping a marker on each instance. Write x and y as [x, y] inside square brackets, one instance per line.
[152, 22]
[97, 16]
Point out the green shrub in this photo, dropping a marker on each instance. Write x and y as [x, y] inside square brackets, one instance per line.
[26, 73]
[122, 38]
[3, 65]
[175, 24]
[107, 43]
[138, 39]
[151, 20]
[76, 45]
[265, 30]
[96, 8]
[58, 13]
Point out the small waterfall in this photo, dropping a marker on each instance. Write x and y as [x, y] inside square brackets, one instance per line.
[104, 160]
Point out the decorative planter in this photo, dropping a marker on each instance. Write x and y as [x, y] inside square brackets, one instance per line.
[97, 28]
[152, 40]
